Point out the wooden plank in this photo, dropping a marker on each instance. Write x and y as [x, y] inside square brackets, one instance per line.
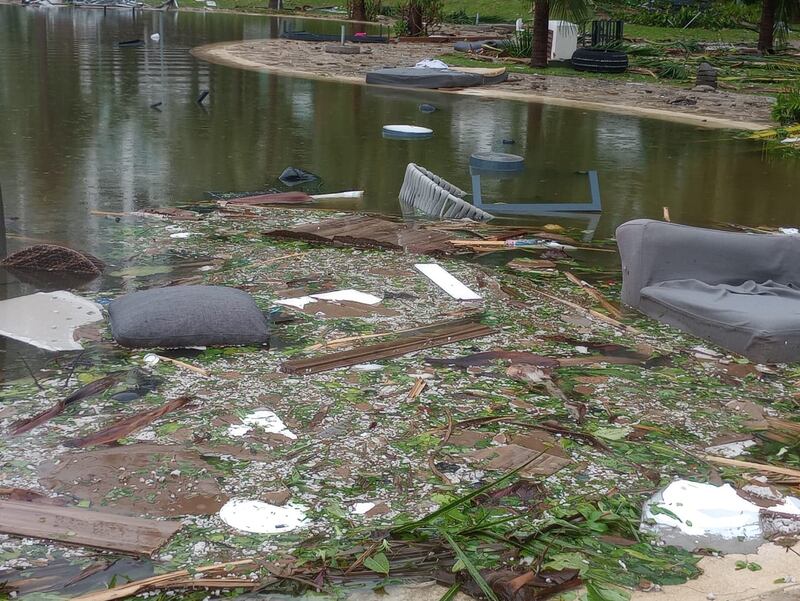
[281, 198]
[761, 467]
[435, 335]
[168, 580]
[75, 526]
[370, 232]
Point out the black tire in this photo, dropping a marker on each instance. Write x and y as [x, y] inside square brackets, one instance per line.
[599, 61]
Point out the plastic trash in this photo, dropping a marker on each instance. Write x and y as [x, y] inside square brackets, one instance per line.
[427, 108]
[429, 63]
[696, 515]
[155, 37]
[406, 132]
[293, 176]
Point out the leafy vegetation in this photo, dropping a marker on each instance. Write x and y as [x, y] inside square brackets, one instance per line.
[787, 106]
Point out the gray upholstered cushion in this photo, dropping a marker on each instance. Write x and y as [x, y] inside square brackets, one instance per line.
[181, 316]
[705, 283]
[760, 321]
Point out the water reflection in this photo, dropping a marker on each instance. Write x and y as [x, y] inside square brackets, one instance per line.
[77, 133]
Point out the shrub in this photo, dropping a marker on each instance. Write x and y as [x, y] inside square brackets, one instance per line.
[719, 15]
[786, 109]
[521, 45]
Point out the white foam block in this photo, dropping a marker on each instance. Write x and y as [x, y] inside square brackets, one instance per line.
[446, 281]
[337, 295]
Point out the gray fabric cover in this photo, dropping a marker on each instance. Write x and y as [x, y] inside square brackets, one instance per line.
[181, 316]
[414, 77]
[736, 290]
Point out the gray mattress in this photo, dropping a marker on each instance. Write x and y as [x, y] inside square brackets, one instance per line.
[413, 77]
[739, 291]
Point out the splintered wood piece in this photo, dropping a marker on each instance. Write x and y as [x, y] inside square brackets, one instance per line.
[113, 532]
[130, 424]
[179, 578]
[281, 198]
[432, 336]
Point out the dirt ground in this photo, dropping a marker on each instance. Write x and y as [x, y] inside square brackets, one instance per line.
[304, 59]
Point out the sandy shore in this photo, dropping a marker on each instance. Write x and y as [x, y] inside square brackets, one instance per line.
[309, 60]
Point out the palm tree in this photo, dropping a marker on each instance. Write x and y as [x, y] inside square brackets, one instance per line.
[574, 10]
[358, 10]
[775, 14]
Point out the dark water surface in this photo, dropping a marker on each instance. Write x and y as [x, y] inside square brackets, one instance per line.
[77, 133]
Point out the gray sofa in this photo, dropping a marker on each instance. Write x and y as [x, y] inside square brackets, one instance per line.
[737, 290]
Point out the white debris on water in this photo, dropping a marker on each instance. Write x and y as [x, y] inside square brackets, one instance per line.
[47, 320]
[264, 419]
[731, 449]
[362, 508]
[262, 518]
[354, 296]
[707, 516]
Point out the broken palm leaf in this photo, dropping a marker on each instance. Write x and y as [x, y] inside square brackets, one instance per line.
[164, 581]
[451, 593]
[130, 424]
[93, 388]
[456, 503]
[473, 571]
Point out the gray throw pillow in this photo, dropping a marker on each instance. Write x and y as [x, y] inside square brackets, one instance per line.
[181, 316]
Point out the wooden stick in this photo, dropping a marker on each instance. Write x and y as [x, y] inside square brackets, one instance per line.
[182, 365]
[417, 389]
[761, 467]
[137, 586]
[595, 294]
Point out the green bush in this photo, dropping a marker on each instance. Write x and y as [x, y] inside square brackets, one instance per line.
[459, 17]
[521, 45]
[786, 109]
[720, 15]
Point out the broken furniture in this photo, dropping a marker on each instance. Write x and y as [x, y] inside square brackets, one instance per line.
[737, 290]
[434, 196]
[183, 316]
[501, 165]
[370, 232]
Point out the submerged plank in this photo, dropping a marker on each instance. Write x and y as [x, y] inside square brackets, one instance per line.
[370, 232]
[434, 335]
[84, 527]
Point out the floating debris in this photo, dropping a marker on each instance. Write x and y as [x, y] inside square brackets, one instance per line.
[264, 419]
[262, 518]
[47, 320]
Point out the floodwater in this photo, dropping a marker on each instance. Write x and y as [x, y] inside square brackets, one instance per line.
[77, 133]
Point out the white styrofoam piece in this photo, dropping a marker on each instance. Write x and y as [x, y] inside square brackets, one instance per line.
[337, 295]
[47, 320]
[446, 281]
[362, 508]
[407, 129]
[708, 510]
[262, 518]
[264, 419]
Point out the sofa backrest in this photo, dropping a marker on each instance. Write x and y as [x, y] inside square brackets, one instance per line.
[656, 251]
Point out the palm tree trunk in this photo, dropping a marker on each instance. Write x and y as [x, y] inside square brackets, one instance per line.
[358, 10]
[766, 28]
[541, 16]
[415, 25]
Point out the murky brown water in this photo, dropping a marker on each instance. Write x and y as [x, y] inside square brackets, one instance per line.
[77, 133]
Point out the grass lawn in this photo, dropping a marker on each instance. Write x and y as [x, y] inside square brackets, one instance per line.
[458, 60]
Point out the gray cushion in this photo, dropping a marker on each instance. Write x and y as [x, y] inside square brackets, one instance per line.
[181, 316]
[760, 321]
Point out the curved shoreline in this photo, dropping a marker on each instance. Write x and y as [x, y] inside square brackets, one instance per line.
[278, 57]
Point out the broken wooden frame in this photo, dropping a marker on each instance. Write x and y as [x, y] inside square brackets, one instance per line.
[431, 336]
